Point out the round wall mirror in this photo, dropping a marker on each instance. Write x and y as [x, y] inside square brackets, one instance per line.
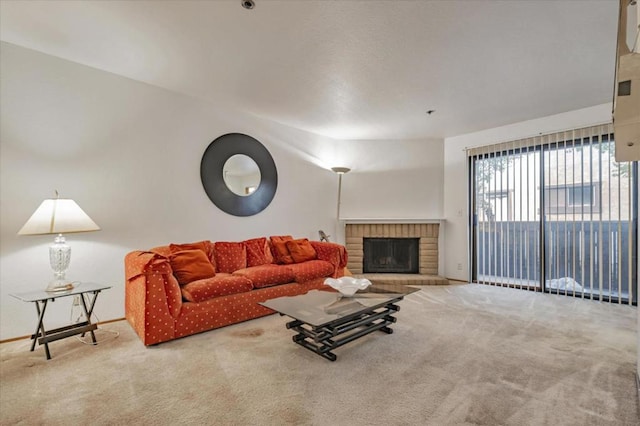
[241, 175]
[238, 174]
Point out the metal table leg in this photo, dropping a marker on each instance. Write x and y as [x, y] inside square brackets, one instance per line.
[40, 331]
[88, 312]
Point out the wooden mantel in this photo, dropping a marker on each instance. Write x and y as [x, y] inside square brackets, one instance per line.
[384, 221]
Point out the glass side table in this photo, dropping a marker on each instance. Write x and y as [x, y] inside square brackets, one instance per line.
[41, 298]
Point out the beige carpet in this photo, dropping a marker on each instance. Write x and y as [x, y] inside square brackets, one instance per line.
[460, 354]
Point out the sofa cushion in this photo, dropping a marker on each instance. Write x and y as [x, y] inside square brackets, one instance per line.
[221, 285]
[301, 250]
[311, 269]
[174, 299]
[191, 265]
[280, 251]
[230, 256]
[267, 275]
[258, 252]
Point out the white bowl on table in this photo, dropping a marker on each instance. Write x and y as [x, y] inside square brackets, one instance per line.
[347, 286]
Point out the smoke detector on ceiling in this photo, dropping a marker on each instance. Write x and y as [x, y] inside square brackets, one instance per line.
[248, 4]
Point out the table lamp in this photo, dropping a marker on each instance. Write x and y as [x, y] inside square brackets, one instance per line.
[58, 216]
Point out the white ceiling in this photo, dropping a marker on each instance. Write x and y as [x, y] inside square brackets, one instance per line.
[345, 69]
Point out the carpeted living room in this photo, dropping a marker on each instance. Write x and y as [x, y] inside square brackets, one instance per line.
[455, 161]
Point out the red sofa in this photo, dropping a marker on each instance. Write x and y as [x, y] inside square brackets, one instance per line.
[181, 289]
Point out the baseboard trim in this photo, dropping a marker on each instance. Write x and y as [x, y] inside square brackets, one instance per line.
[458, 281]
[13, 339]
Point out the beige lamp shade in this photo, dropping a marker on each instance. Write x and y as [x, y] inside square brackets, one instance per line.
[58, 216]
[340, 170]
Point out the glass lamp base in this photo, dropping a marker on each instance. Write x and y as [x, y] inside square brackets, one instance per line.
[59, 257]
[59, 285]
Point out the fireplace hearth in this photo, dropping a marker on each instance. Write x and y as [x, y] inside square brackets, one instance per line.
[391, 255]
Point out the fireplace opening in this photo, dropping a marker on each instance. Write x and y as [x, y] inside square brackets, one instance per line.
[391, 255]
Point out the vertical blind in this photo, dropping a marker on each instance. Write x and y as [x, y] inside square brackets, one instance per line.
[555, 213]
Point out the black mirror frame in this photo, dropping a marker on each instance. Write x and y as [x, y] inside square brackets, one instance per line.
[212, 174]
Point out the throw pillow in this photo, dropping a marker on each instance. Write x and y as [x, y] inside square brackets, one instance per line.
[272, 240]
[230, 256]
[301, 250]
[191, 265]
[282, 256]
[204, 245]
[258, 252]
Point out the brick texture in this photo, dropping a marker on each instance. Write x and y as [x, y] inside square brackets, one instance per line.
[427, 232]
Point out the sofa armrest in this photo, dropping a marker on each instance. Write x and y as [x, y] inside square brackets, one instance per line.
[152, 296]
[333, 253]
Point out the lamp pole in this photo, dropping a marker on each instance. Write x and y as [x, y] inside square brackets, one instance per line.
[340, 171]
[339, 195]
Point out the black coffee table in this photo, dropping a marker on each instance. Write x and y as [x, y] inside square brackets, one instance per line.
[325, 320]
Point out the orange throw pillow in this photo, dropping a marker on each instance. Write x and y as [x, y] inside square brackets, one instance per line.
[204, 245]
[191, 265]
[258, 252]
[230, 256]
[282, 256]
[301, 250]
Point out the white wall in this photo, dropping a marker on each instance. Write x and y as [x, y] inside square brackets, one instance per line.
[129, 154]
[392, 179]
[456, 179]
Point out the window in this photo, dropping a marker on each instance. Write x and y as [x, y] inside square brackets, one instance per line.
[572, 198]
[499, 205]
[580, 196]
[556, 213]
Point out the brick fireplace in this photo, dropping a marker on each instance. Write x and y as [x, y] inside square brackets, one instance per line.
[426, 233]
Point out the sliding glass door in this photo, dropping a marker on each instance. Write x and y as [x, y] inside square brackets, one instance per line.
[557, 214]
[507, 231]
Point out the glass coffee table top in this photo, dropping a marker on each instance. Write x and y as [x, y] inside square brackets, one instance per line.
[320, 307]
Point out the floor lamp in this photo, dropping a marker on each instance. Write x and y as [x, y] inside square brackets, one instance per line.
[340, 171]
